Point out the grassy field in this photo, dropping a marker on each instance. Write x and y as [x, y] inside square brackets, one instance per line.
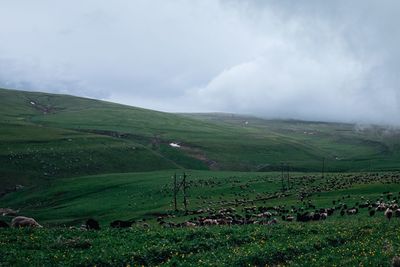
[340, 240]
[371, 242]
[46, 136]
[139, 196]
[80, 158]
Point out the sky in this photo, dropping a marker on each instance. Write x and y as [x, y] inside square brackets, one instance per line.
[311, 60]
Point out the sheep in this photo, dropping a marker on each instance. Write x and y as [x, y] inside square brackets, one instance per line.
[352, 211]
[397, 213]
[167, 224]
[396, 261]
[225, 221]
[324, 216]
[3, 224]
[381, 207]
[21, 221]
[371, 213]
[388, 213]
[210, 222]
[189, 224]
[121, 224]
[273, 221]
[330, 211]
[92, 224]
[8, 212]
[265, 215]
[290, 218]
[305, 217]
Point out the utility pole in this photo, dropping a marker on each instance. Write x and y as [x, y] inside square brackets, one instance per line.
[184, 192]
[283, 186]
[288, 176]
[175, 192]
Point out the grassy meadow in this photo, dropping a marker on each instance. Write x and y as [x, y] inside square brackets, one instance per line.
[146, 195]
[340, 240]
[372, 242]
[75, 158]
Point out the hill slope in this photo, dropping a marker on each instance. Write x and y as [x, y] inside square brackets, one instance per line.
[44, 136]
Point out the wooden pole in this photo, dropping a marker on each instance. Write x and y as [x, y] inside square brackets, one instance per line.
[175, 192]
[184, 192]
[283, 187]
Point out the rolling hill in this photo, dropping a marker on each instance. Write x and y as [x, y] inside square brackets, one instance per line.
[82, 158]
[45, 136]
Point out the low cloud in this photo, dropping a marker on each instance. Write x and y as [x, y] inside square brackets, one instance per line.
[336, 61]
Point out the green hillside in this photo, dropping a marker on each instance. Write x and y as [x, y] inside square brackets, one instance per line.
[44, 136]
[80, 158]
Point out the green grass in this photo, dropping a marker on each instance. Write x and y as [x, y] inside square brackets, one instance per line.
[145, 195]
[31, 154]
[370, 242]
[338, 241]
[64, 136]
[80, 158]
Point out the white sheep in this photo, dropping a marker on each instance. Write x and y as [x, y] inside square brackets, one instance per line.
[21, 221]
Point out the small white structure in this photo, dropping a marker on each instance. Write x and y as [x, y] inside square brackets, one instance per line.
[174, 145]
[33, 103]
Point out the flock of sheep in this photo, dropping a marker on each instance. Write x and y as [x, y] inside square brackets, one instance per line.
[268, 215]
[305, 211]
[251, 215]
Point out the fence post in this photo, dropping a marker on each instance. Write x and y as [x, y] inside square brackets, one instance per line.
[184, 192]
[175, 192]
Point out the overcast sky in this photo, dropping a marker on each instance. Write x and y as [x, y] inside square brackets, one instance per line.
[313, 60]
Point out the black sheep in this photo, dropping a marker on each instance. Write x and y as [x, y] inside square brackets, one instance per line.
[388, 213]
[330, 211]
[92, 224]
[316, 216]
[372, 212]
[3, 224]
[305, 217]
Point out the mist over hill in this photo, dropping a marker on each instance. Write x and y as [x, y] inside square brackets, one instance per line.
[302, 60]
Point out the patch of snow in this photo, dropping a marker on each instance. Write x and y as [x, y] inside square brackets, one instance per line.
[174, 145]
